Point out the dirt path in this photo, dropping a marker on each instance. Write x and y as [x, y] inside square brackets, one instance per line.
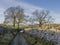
[19, 40]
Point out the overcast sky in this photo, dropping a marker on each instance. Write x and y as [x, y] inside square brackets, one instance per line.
[31, 5]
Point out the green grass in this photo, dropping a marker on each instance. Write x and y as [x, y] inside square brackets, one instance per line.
[37, 41]
[5, 40]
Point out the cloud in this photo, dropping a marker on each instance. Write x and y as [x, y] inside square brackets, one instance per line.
[1, 10]
[56, 16]
[4, 4]
[28, 8]
[1, 15]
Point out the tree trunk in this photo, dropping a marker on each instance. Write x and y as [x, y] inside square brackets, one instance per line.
[14, 22]
[40, 25]
[18, 25]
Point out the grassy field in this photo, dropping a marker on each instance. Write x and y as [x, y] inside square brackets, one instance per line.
[6, 38]
[37, 41]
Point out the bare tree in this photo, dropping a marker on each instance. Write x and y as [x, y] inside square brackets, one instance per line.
[50, 20]
[13, 14]
[10, 15]
[41, 16]
[19, 15]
